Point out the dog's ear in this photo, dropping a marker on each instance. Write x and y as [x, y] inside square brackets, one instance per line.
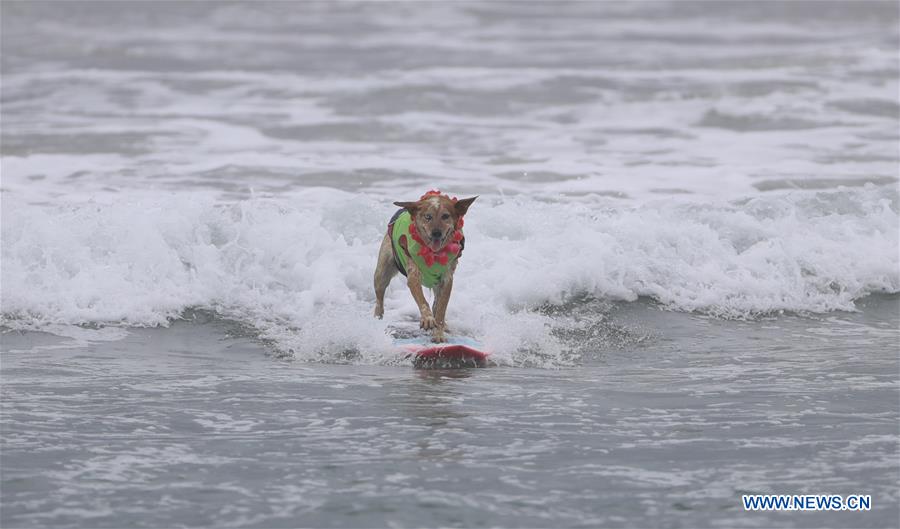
[408, 206]
[462, 206]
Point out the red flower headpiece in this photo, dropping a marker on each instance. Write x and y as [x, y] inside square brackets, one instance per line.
[437, 193]
[453, 247]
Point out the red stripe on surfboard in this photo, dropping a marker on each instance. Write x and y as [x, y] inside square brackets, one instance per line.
[447, 352]
[450, 351]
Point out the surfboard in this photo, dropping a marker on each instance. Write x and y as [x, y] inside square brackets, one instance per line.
[456, 352]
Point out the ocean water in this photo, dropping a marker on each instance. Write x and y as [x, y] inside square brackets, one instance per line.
[684, 257]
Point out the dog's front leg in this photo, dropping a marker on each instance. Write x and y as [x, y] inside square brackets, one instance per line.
[414, 282]
[441, 299]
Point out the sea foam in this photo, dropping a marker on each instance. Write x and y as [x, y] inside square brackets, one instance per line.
[298, 269]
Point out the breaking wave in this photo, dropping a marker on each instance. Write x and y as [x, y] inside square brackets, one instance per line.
[298, 270]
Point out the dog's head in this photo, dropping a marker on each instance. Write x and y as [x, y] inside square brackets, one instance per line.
[436, 217]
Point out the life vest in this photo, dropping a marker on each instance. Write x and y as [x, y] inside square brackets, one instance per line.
[432, 265]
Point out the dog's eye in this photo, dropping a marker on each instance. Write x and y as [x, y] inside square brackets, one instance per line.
[428, 217]
[445, 216]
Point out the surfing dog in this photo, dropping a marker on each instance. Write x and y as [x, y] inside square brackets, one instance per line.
[424, 241]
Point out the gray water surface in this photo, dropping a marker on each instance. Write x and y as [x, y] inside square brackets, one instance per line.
[195, 425]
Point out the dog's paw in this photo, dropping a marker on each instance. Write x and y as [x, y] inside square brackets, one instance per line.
[379, 311]
[437, 336]
[427, 322]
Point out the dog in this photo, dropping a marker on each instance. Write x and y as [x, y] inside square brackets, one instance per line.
[424, 242]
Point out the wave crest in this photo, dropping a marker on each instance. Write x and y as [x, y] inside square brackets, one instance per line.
[299, 270]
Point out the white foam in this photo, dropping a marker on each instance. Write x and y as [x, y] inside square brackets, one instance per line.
[299, 270]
